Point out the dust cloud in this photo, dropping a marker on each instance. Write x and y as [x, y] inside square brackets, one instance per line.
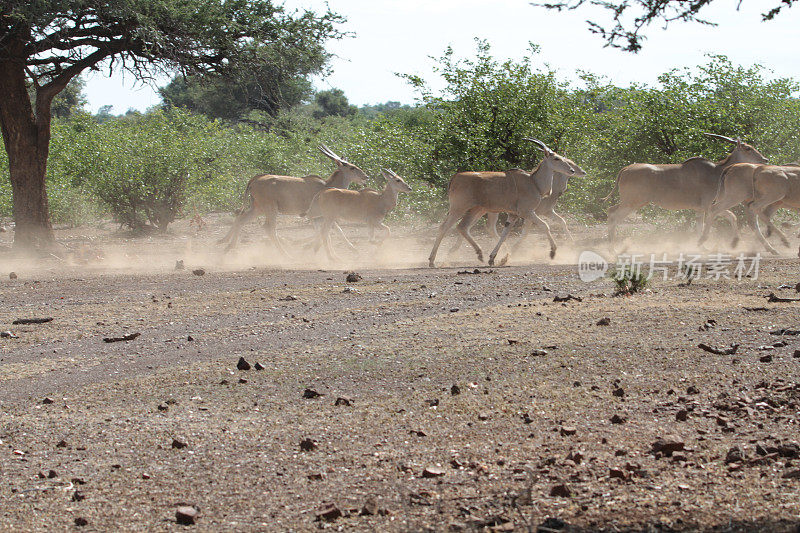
[98, 249]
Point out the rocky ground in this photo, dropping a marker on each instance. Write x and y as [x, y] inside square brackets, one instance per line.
[411, 399]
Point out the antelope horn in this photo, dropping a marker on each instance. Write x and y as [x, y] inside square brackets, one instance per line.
[721, 137]
[543, 147]
[329, 153]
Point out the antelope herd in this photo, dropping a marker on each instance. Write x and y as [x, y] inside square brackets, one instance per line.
[709, 188]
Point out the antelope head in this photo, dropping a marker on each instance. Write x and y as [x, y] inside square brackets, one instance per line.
[349, 173]
[395, 182]
[557, 163]
[742, 152]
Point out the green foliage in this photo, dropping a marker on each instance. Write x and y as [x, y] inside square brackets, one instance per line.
[333, 103]
[486, 109]
[141, 167]
[628, 281]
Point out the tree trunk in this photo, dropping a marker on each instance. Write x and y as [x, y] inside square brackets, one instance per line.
[27, 141]
[28, 166]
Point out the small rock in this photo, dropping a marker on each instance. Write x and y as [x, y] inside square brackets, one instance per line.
[796, 354]
[178, 444]
[353, 277]
[186, 515]
[455, 390]
[432, 403]
[792, 474]
[575, 456]
[12, 275]
[370, 507]
[190, 338]
[734, 455]
[347, 402]
[61, 444]
[80, 521]
[316, 476]
[199, 272]
[454, 309]
[604, 321]
[259, 366]
[163, 407]
[78, 496]
[242, 380]
[766, 358]
[310, 394]
[51, 474]
[561, 491]
[145, 475]
[179, 265]
[618, 473]
[7, 335]
[47, 401]
[432, 471]
[308, 445]
[567, 431]
[667, 445]
[242, 364]
[552, 524]
[348, 290]
[619, 392]
[682, 415]
[538, 353]
[288, 298]
[568, 297]
[617, 419]
[328, 512]
[692, 390]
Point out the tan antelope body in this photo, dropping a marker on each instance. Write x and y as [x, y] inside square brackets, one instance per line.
[546, 207]
[271, 195]
[689, 185]
[367, 206]
[736, 186]
[516, 192]
[772, 185]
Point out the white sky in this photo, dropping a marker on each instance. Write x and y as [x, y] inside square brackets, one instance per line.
[399, 36]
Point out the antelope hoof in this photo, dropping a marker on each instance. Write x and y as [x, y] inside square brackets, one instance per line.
[735, 241]
[491, 260]
[503, 261]
[430, 263]
[552, 253]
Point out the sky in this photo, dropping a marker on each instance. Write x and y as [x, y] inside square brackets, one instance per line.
[400, 36]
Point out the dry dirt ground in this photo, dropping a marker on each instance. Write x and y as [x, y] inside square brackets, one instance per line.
[415, 399]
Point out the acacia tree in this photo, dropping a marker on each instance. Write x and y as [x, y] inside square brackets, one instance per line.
[47, 43]
[630, 17]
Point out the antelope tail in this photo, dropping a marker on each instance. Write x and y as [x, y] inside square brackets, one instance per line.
[615, 187]
[247, 198]
[720, 185]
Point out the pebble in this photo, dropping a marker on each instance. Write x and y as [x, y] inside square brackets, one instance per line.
[186, 515]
